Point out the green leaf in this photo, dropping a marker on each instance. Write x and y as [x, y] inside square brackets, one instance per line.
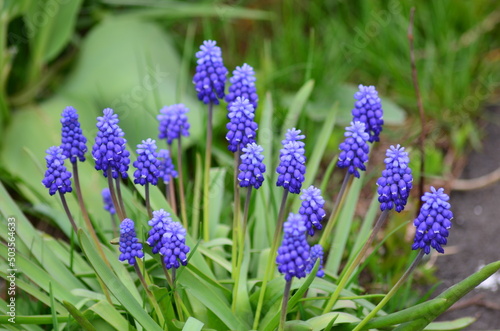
[455, 325]
[321, 322]
[109, 313]
[297, 106]
[192, 324]
[78, 316]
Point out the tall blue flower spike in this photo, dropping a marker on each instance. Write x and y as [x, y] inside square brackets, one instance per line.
[158, 226]
[252, 168]
[73, 142]
[108, 201]
[109, 148]
[210, 76]
[241, 127]
[166, 166]
[243, 85]
[368, 109]
[130, 248]
[315, 254]
[354, 149]
[433, 221]
[312, 208]
[173, 122]
[147, 163]
[293, 254]
[174, 248]
[57, 178]
[396, 181]
[292, 166]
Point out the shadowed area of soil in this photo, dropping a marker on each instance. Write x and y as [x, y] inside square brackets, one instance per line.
[476, 235]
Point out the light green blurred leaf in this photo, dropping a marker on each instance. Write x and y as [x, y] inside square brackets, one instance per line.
[320, 322]
[455, 325]
[192, 324]
[297, 106]
[111, 316]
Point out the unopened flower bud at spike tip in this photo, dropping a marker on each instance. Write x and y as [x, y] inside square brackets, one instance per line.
[354, 149]
[57, 178]
[130, 248]
[396, 181]
[252, 168]
[173, 245]
[433, 221]
[368, 109]
[73, 142]
[173, 122]
[210, 76]
[147, 163]
[292, 168]
[312, 208]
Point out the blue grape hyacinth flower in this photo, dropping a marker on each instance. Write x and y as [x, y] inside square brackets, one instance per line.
[312, 208]
[252, 168]
[173, 122]
[433, 221]
[57, 178]
[174, 248]
[396, 181]
[368, 109]
[293, 254]
[243, 85]
[292, 166]
[130, 248]
[210, 76]
[354, 149]
[109, 150]
[158, 226]
[73, 142]
[241, 127]
[316, 253]
[108, 201]
[147, 163]
[166, 167]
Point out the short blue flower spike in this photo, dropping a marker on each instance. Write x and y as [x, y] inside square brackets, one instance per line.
[147, 163]
[251, 168]
[293, 254]
[368, 109]
[354, 149]
[315, 254]
[174, 248]
[210, 76]
[241, 127]
[158, 226]
[130, 248]
[312, 208]
[166, 166]
[292, 166]
[433, 221]
[73, 141]
[173, 122]
[243, 85]
[108, 201]
[109, 150]
[396, 181]
[57, 178]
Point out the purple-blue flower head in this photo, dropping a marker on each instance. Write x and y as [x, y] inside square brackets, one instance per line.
[174, 248]
[243, 85]
[108, 201]
[158, 226]
[241, 127]
[130, 248]
[57, 178]
[166, 166]
[312, 208]
[173, 122]
[354, 149]
[210, 77]
[433, 221]
[147, 163]
[396, 181]
[368, 109]
[109, 150]
[315, 254]
[292, 166]
[293, 254]
[252, 168]
[73, 142]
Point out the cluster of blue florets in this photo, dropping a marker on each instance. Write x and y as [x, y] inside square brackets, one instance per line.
[243, 85]
[174, 248]
[130, 248]
[108, 201]
[166, 167]
[210, 76]
[292, 166]
[315, 254]
[73, 142]
[354, 149]
[252, 168]
[368, 110]
[173, 122]
[57, 178]
[147, 163]
[242, 128]
[312, 208]
[158, 225]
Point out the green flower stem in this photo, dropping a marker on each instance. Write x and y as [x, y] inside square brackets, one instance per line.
[148, 202]
[171, 282]
[112, 191]
[181, 185]
[270, 262]
[236, 229]
[351, 267]
[150, 295]
[68, 213]
[119, 196]
[391, 293]
[325, 237]
[284, 305]
[171, 195]
[206, 177]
